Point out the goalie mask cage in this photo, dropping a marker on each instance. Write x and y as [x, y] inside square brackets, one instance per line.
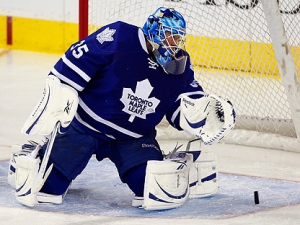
[246, 50]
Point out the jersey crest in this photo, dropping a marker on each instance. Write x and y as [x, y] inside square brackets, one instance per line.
[138, 103]
[106, 35]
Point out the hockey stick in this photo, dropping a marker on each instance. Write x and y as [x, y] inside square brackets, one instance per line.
[42, 175]
[172, 153]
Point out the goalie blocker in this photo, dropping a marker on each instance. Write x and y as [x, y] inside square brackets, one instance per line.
[58, 104]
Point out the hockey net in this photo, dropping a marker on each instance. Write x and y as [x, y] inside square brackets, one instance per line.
[233, 53]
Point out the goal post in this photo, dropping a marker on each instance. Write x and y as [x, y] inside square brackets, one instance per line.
[246, 50]
[285, 60]
[83, 20]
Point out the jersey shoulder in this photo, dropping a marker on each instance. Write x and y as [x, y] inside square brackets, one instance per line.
[117, 36]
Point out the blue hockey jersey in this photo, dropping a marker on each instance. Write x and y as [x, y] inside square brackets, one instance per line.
[123, 92]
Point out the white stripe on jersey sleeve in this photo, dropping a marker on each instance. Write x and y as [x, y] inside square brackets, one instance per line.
[67, 80]
[75, 68]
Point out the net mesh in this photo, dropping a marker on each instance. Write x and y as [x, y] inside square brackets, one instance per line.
[231, 50]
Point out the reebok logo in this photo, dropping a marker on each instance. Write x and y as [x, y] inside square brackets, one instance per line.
[188, 102]
[68, 107]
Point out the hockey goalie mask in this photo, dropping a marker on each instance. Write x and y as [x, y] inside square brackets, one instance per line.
[165, 30]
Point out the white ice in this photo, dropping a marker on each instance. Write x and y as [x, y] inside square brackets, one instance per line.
[22, 76]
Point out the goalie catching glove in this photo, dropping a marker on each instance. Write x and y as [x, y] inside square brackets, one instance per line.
[209, 118]
[58, 103]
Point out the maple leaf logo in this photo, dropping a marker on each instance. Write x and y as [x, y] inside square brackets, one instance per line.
[139, 104]
[106, 35]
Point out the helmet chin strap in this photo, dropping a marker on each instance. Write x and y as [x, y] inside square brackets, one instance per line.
[168, 62]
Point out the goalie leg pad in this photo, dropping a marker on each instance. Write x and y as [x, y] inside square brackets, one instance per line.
[30, 149]
[167, 183]
[11, 177]
[204, 176]
[22, 173]
[26, 174]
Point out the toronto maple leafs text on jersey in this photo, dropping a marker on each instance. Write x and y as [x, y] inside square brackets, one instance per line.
[123, 92]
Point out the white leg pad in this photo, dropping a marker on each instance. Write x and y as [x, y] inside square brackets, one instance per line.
[22, 172]
[31, 150]
[167, 183]
[11, 176]
[26, 174]
[204, 176]
[22, 176]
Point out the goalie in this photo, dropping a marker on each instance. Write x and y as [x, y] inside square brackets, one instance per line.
[104, 97]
